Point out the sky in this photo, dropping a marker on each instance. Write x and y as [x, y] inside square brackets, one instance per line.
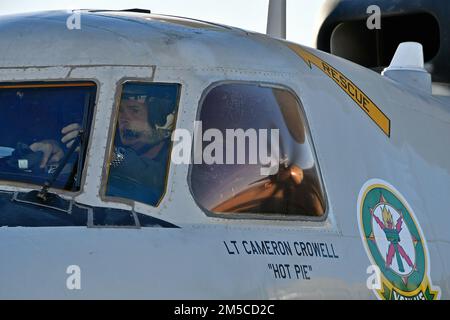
[245, 14]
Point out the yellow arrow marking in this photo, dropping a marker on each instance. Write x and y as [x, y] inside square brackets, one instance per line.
[357, 95]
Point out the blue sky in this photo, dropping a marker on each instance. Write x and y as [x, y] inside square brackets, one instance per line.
[246, 14]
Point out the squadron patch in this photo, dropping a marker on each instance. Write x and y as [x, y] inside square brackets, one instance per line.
[394, 242]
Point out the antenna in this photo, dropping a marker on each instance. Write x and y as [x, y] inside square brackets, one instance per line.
[276, 21]
[407, 67]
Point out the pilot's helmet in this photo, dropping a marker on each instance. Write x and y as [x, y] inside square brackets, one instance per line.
[160, 104]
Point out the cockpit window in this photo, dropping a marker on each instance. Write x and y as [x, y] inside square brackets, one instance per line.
[39, 122]
[256, 155]
[139, 162]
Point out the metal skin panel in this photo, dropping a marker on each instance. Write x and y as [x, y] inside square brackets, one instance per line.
[199, 259]
[159, 263]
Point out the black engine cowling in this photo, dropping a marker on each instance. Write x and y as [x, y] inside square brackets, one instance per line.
[343, 32]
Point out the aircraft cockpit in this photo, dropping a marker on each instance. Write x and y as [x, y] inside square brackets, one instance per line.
[40, 125]
[134, 129]
[46, 132]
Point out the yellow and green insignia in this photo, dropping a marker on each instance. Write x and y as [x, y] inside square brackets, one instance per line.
[395, 243]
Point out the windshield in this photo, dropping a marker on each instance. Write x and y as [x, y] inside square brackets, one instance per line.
[38, 124]
[139, 162]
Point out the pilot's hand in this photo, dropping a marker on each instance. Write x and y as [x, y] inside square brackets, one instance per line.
[70, 133]
[51, 150]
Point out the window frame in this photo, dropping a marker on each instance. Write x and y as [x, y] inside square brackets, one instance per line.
[111, 139]
[92, 111]
[259, 216]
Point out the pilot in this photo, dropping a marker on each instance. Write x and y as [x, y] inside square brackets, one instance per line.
[137, 168]
[141, 152]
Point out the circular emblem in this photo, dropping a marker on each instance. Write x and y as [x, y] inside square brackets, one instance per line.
[394, 243]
